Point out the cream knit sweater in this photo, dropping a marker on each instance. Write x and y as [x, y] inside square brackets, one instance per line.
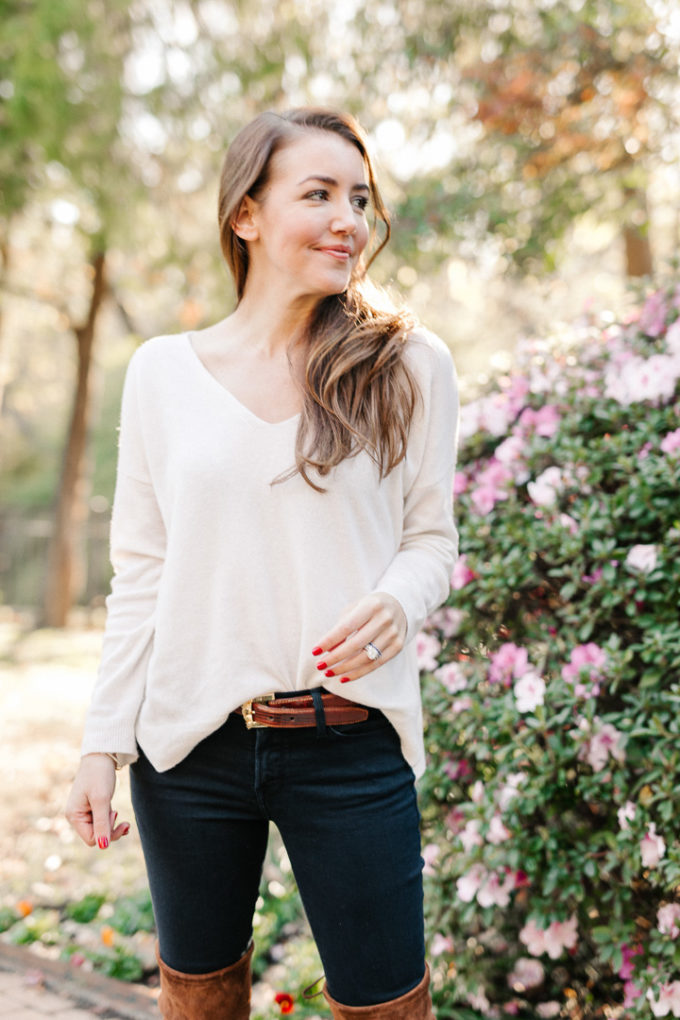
[223, 582]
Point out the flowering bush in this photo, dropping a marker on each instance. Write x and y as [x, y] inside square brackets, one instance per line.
[551, 805]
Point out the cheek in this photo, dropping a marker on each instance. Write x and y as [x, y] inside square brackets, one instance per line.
[361, 237]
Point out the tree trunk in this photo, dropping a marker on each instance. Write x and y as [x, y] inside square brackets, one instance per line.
[636, 234]
[65, 564]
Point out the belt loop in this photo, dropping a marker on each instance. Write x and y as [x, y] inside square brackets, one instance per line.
[319, 712]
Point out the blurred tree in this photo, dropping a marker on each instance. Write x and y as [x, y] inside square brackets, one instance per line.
[552, 110]
[123, 109]
[62, 68]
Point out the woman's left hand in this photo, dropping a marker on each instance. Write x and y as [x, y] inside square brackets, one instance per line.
[377, 618]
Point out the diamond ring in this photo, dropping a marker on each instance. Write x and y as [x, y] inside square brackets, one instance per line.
[372, 652]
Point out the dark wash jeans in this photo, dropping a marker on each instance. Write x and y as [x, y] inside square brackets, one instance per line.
[345, 804]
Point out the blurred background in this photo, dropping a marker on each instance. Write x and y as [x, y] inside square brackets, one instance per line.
[528, 151]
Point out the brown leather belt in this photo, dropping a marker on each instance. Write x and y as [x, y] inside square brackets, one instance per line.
[295, 710]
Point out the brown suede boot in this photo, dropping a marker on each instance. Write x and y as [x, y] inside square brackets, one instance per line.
[220, 995]
[415, 1005]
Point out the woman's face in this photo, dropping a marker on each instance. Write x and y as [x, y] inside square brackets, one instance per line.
[308, 228]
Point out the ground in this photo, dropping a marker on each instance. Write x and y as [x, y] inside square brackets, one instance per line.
[45, 681]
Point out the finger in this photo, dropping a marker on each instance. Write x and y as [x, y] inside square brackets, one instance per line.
[380, 630]
[82, 825]
[360, 666]
[101, 821]
[351, 621]
[119, 831]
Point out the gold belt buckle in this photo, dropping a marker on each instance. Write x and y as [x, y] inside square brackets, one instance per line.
[247, 711]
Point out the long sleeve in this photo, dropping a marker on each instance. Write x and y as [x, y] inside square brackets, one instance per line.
[419, 575]
[138, 542]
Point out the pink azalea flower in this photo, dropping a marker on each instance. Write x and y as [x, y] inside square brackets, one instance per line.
[526, 974]
[569, 524]
[652, 847]
[642, 558]
[529, 692]
[494, 892]
[626, 814]
[509, 790]
[477, 792]
[533, 938]
[627, 968]
[544, 422]
[605, 741]
[484, 499]
[470, 836]
[427, 650]
[561, 935]
[668, 1000]
[668, 919]
[462, 574]
[653, 315]
[671, 442]
[441, 944]
[631, 993]
[492, 486]
[457, 769]
[507, 663]
[553, 940]
[430, 854]
[497, 831]
[510, 453]
[585, 663]
[447, 620]
[460, 483]
[673, 338]
[452, 676]
[544, 491]
[461, 705]
[517, 392]
[468, 884]
[637, 380]
[455, 820]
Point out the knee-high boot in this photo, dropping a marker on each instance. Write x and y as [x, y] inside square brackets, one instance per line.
[219, 995]
[414, 1005]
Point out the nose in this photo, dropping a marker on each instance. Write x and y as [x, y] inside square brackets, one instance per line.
[344, 219]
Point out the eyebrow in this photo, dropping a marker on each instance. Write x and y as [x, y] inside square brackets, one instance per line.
[332, 181]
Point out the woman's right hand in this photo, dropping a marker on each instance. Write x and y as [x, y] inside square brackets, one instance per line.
[88, 807]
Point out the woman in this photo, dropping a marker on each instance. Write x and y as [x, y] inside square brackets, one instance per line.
[282, 526]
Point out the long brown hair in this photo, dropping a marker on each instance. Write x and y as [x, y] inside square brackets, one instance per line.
[359, 393]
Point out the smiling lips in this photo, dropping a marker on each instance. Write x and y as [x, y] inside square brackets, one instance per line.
[341, 252]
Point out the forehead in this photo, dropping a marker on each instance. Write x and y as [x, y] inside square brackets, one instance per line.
[324, 152]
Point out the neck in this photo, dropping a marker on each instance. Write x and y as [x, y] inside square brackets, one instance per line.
[274, 322]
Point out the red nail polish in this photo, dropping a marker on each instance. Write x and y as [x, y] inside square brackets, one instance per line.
[344, 680]
[317, 651]
[102, 842]
[126, 830]
[321, 665]
[329, 672]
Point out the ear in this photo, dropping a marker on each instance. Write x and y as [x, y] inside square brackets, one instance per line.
[243, 224]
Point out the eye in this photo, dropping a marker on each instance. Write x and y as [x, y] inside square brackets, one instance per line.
[361, 202]
[317, 193]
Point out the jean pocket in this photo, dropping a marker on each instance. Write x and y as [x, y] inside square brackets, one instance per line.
[376, 723]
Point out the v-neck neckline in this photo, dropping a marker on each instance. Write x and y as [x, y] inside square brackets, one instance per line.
[245, 410]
